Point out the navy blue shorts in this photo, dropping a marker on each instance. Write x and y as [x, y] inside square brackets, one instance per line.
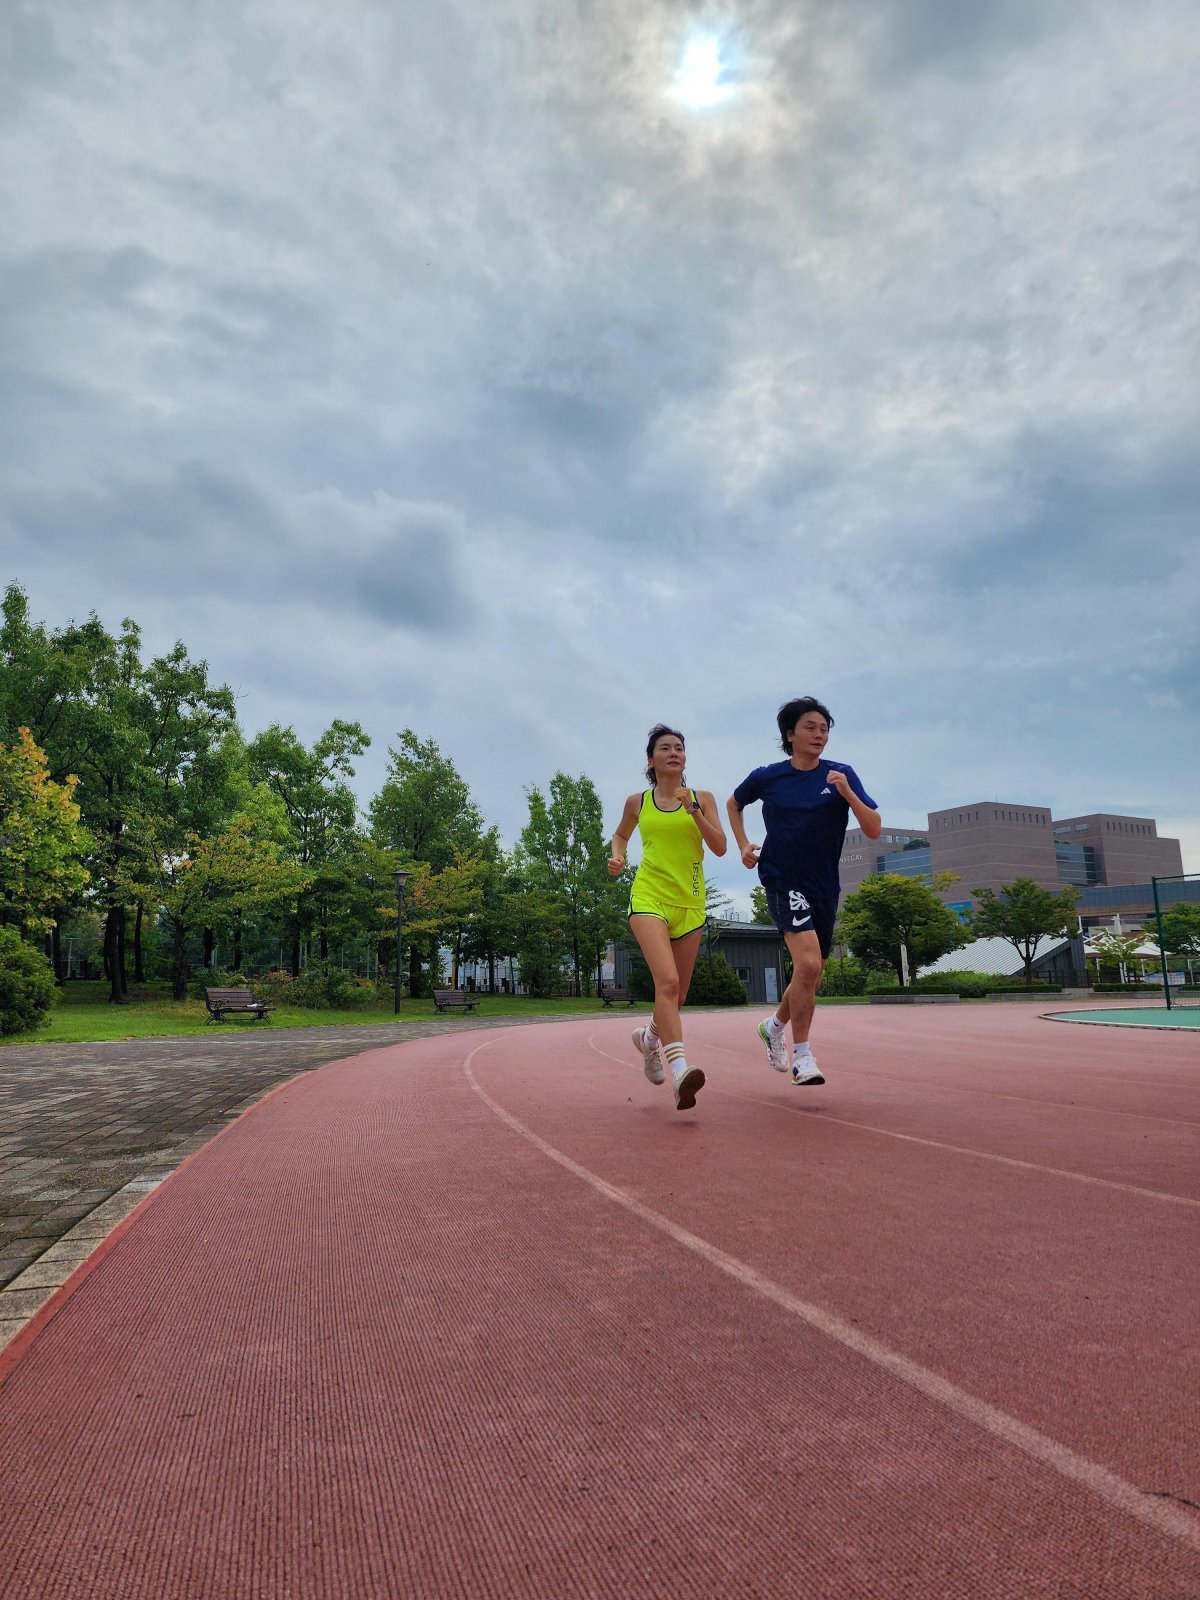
[794, 912]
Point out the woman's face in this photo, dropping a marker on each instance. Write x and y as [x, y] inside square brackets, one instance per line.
[667, 756]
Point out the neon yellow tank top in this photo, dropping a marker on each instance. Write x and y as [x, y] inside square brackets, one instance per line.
[672, 867]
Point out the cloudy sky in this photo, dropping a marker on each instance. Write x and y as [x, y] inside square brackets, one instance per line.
[528, 371]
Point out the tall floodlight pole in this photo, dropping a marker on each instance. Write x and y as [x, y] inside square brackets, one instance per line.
[401, 877]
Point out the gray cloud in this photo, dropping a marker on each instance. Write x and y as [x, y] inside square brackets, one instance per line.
[534, 405]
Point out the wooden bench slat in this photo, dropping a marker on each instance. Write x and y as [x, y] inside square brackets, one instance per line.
[237, 1002]
[612, 992]
[454, 999]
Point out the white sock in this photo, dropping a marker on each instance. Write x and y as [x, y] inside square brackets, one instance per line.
[675, 1058]
[774, 1026]
[650, 1035]
[803, 1049]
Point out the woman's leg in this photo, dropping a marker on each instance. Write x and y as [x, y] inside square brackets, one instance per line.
[685, 951]
[654, 941]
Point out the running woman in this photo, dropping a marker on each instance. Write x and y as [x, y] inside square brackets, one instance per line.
[806, 803]
[666, 901]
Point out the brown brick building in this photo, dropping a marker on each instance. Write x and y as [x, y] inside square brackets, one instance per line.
[1126, 849]
[990, 842]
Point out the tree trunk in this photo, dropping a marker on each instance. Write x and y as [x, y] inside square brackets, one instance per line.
[179, 968]
[139, 965]
[209, 945]
[324, 943]
[121, 973]
[237, 941]
[296, 953]
[56, 955]
[491, 966]
[112, 961]
[415, 989]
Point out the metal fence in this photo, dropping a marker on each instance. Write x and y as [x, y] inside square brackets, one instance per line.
[1178, 945]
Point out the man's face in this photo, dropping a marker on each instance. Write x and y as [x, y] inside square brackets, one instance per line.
[810, 735]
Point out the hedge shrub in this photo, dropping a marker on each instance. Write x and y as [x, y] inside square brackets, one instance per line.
[967, 985]
[845, 975]
[27, 992]
[319, 987]
[715, 983]
[1133, 988]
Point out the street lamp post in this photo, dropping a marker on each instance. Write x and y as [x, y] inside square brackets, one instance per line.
[401, 877]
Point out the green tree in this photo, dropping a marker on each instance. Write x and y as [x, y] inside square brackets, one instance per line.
[494, 931]
[1180, 933]
[542, 947]
[889, 913]
[443, 905]
[758, 904]
[564, 846]
[362, 911]
[1024, 914]
[132, 733]
[322, 817]
[423, 812]
[41, 842]
[716, 908]
[206, 877]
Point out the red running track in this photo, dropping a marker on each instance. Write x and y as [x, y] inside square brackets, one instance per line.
[486, 1317]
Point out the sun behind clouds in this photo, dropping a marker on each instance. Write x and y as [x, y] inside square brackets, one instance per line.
[702, 78]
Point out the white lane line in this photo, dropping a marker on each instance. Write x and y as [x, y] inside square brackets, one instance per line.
[1123, 1496]
[967, 1150]
[991, 1094]
[935, 1144]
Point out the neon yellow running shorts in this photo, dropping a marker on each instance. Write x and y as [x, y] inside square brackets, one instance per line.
[680, 920]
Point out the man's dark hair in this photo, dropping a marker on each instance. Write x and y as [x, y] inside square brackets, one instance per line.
[790, 714]
[656, 733]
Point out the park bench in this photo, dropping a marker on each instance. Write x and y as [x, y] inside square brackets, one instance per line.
[611, 993]
[453, 1000]
[235, 1003]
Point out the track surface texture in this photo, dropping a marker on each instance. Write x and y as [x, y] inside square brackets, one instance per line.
[486, 1317]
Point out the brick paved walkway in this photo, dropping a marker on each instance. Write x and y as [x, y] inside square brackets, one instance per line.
[87, 1130]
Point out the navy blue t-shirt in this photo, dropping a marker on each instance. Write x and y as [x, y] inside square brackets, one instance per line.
[805, 820]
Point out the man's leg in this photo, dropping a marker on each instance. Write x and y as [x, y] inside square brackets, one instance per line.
[800, 996]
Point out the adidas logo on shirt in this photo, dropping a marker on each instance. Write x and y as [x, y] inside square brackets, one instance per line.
[826, 790]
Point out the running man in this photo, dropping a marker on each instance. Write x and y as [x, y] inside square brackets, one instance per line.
[806, 803]
[666, 901]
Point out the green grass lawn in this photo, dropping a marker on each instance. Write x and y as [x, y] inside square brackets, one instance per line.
[83, 1016]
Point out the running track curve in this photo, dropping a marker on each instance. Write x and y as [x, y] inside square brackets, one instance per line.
[485, 1317]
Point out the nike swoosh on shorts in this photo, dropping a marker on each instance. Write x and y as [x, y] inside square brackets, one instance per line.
[802, 923]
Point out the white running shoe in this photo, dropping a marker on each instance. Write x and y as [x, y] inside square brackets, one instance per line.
[777, 1047]
[651, 1060]
[806, 1070]
[687, 1085]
